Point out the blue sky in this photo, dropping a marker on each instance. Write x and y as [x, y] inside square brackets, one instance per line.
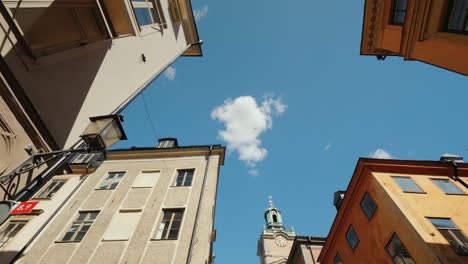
[327, 105]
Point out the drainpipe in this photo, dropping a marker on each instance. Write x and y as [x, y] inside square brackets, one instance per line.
[192, 243]
[455, 168]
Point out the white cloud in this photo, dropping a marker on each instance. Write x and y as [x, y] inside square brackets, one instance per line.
[244, 122]
[327, 147]
[170, 73]
[199, 13]
[380, 154]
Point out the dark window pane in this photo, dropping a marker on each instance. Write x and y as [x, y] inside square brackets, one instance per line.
[337, 259]
[68, 236]
[398, 12]
[458, 19]
[79, 236]
[368, 206]
[397, 251]
[173, 234]
[352, 238]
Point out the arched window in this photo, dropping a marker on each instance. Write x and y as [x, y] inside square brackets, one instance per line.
[275, 219]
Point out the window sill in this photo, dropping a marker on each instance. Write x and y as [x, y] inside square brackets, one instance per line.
[415, 192]
[460, 194]
[114, 240]
[71, 241]
[155, 239]
[54, 58]
[41, 198]
[150, 29]
[180, 186]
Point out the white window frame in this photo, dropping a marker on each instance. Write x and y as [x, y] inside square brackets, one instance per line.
[50, 189]
[80, 225]
[103, 187]
[7, 233]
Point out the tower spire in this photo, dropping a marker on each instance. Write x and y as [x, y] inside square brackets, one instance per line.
[274, 219]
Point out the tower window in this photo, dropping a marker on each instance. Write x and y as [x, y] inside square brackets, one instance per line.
[275, 218]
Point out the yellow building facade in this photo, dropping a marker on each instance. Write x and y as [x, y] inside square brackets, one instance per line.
[397, 211]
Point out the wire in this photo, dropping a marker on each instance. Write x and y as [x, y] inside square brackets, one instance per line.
[148, 116]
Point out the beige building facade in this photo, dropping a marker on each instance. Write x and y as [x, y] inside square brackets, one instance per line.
[140, 205]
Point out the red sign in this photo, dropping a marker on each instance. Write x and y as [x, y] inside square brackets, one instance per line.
[24, 208]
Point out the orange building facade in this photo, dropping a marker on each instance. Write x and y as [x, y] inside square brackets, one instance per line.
[431, 31]
[398, 211]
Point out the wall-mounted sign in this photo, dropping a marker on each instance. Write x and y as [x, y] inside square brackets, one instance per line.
[24, 207]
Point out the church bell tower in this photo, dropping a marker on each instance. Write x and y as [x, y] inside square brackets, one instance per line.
[275, 241]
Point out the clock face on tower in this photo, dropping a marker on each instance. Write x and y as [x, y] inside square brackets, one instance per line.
[281, 241]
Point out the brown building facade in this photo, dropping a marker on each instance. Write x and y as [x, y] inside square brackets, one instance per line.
[401, 211]
[434, 32]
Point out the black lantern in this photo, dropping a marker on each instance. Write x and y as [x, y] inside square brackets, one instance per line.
[103, 132]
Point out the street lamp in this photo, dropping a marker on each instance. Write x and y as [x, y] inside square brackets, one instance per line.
[103, 132]
[99, 135]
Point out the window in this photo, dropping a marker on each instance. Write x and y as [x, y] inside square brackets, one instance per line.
[407, 184]
[447, 186]
[111, 181]
[80, 226]
[458, 17]
[398, 12]
[398, 252]
[368, 206]
[149, 12]
[456, 238]
[184, 177]
[170, 224]
[146, 179]
[51, 189]
[10, 231]
[122, 225]
[72, 24]
[337, 259]
[352, 238]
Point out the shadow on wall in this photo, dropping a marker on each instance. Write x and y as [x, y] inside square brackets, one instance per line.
[54, 68]
[8, 256]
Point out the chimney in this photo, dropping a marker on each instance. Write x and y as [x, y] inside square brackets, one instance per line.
[338, 198]
[447, 157]
[167, 143]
